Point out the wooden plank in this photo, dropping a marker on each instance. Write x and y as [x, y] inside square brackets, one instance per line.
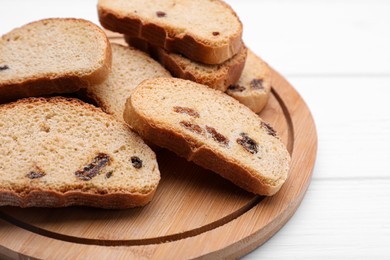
[353, 137]
[338, 219]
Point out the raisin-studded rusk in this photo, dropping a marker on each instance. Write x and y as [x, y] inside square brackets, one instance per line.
[58, 55]
[211, 129]
[58, 152]
[219, 76]
[207, 31]
[129, 68]
[254, 86]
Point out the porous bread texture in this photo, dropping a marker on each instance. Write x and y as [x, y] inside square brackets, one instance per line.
[46, 144]
[57, 55]
[254, 86]
[129, 68]
[219, 76]
[211, 129]
[207, 31]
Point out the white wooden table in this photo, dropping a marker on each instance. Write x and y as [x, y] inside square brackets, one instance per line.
[337, 55]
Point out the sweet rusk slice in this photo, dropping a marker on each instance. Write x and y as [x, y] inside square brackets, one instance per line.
[129, 68]
[211, 129]
[59, 152]
[58, 55]
[206, 31]
[219, 76]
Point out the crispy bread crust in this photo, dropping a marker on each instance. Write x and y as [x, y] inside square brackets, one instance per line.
[53, 199]
[218, 80]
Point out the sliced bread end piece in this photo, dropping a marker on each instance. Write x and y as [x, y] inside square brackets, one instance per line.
[221, 134]
[59, 152]
[56, 55]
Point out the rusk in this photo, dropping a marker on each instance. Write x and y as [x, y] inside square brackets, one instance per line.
[206, 31]
[58, 55]
[129, 68]
[219, 76]
[58, 152]
[211, 129]
[254, 86]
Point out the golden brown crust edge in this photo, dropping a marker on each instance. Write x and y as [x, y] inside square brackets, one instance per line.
[219, 82]
[47, 86]
[192, 150]
[187, 45]
[52, 199]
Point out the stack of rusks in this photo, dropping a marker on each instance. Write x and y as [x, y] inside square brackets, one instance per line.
[186, 83]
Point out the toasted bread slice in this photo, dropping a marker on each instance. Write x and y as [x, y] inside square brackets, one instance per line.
[60, 152]
[59, 55]
[254, 86]
[219, 76]
[129, 68]
[207, 31]
[211, 129]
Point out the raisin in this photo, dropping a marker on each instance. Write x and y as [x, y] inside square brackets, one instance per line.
[5, 67]
[192, 127]
[237, 88]
[92, 169]
[136, 161]
[35, 174]
[186, 110]
[248, 143]
[268, 128]
[161, 14]
[108, 174]
[216, 33]
[217, 136]
[256, 84]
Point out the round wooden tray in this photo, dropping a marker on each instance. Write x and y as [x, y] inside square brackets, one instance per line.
[195, 213]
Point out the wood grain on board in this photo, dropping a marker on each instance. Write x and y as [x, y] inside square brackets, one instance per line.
[195, 213]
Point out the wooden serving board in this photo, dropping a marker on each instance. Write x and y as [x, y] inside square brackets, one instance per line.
[195, 213]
